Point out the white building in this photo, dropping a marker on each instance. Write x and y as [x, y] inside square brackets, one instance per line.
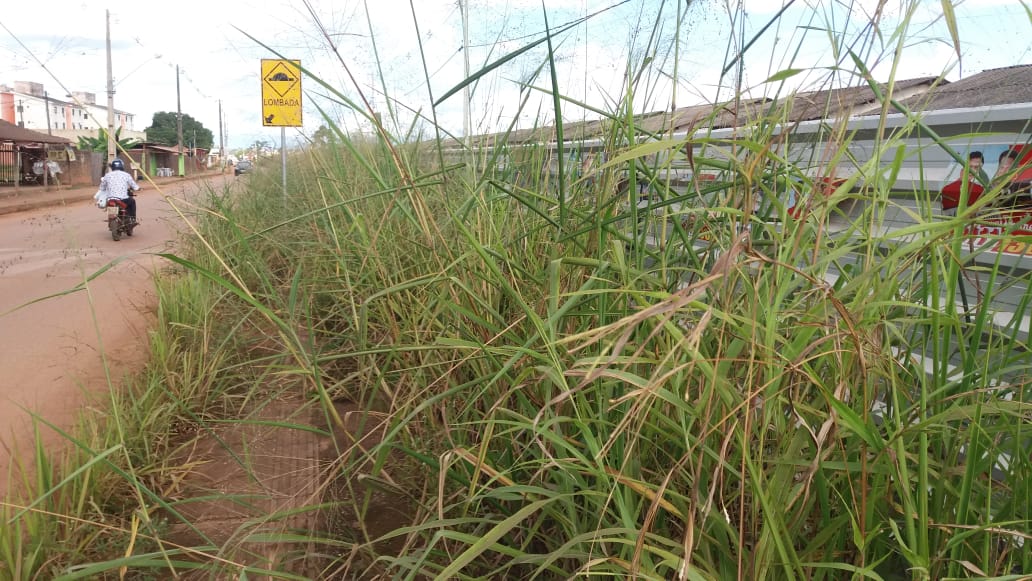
[28, 105]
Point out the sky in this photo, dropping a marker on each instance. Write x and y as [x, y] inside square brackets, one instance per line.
[383, 51]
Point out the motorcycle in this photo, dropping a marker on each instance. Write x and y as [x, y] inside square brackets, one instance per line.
[118, 218]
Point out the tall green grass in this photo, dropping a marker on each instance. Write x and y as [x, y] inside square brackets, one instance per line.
[574, 382]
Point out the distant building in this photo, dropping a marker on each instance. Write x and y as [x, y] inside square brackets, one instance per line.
[28, 105]
[1004, 86]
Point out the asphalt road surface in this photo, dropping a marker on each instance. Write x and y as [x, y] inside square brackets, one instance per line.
[56, 355]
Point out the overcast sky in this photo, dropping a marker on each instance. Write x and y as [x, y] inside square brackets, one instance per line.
[62, 46]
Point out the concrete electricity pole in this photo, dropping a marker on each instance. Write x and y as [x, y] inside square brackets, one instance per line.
[179, 127]
[222, 144]
[46, 158]
[46, 105]
[111, 146]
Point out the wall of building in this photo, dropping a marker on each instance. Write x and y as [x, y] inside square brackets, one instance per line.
[7, 109]
[24, 111]
[90, 166]
[74, 134]
[28, 105]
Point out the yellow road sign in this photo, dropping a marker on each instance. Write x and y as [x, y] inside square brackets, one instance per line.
[281, 93]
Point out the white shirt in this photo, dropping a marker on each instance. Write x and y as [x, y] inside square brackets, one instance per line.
[116, 184]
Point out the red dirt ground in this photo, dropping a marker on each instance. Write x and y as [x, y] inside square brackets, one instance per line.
[56, 354]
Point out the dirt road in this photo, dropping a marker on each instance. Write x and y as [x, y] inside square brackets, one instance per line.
[53, 353]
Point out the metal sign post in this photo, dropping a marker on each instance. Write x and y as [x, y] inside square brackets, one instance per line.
[281, 101]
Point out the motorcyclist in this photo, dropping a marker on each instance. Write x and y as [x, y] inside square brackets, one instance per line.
[117, 183]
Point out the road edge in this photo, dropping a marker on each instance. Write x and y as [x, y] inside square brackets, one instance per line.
[68, 197]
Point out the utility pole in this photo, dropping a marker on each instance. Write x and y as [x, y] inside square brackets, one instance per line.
[46, 158]
[179, 127]
[111, 147]
[222, 144]
[46, 105]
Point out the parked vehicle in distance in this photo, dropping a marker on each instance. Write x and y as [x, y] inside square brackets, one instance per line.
[243, 166]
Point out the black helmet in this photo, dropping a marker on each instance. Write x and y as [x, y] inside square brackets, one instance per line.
[117, 165]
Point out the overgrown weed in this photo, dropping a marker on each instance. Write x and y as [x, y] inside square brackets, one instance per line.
[630, 372]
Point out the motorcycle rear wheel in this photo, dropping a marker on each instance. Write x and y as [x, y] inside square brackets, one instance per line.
[113, 226]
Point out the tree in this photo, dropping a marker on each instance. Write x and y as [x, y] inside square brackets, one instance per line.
[163, 130]
[100, 142]
[324, 136]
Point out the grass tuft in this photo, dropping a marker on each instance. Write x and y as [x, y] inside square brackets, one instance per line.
[626, 360]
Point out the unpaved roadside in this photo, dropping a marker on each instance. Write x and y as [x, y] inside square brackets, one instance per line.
[56, 355]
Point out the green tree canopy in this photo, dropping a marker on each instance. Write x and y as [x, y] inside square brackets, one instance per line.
[323, 136]
[163, 130]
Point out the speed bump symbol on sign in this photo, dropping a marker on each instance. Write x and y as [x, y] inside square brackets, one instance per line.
[281, 93]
